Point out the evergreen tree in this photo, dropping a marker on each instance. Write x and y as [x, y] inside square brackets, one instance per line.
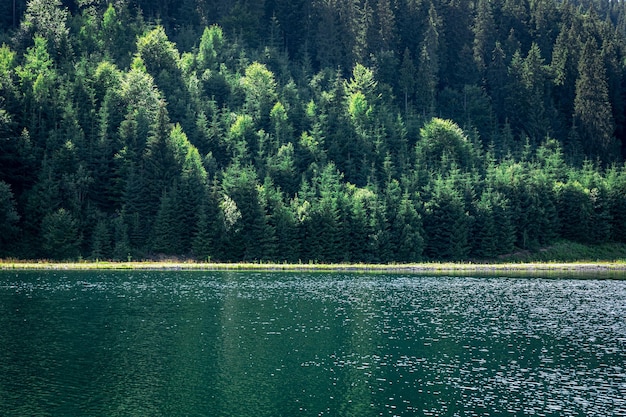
[114, 114]
[8, 219]
[260, 88]
[407, 78]
[241, 186]
[47, 19]
[484, 35]
[575, 208]
[427, 79]
[101, 241]
[210, 234]
[168, 225]
[616, 190]
[493, 232]
[592, 109]
[61, 235]
[446, 223]
[328, 34]
[282, 221]
[405, 225]
[210, 49]
[443, 143]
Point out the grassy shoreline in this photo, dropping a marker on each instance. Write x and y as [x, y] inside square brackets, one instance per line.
[522, 267]
[561, 257]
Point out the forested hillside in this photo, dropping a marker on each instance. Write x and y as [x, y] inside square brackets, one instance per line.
[312, 130]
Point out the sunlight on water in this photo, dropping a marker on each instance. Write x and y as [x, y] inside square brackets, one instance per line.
[254, 344]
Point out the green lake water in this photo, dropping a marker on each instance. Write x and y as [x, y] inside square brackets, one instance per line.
[309, 344]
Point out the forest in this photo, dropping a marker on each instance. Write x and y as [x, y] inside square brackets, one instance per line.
[371, 131]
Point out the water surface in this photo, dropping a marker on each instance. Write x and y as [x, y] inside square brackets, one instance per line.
[310, 344]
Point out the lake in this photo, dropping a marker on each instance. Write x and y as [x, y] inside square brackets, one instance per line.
[150, 343]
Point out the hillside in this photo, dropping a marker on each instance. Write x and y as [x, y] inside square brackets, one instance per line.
[323, 130]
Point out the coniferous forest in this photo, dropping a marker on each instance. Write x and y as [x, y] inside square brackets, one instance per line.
[310, 130]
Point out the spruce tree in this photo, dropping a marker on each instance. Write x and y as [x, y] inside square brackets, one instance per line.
[446, 223]
[593, 116]
[484, 35]
[61, 235]
[8, 219]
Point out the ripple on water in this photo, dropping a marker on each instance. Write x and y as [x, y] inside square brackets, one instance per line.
[315, 344]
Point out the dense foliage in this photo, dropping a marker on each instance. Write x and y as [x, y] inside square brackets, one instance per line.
[322, 130]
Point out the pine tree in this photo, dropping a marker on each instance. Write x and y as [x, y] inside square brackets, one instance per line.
[61, 235]
[496, 81]
[592, 110]
[210, 49]
[160, 162]
[493, 232]
[168, 225]
[616, 193]
[8, 219]
[101, 241]
[407, 78]
[535, 82]
[427, 79]
[575, 210]
[282, 222]
[484, 35]
[446, 223]
[48, 19]
[328, 34]
[260, 88]
[405, 224]
[241, 185]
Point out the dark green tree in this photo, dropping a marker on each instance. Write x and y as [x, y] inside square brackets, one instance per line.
[168, 225]
[407, 78]
[484, 35]
[493, 232]
[427, 77]
[241, 186]
[593, 116]
[446, 223]
[9, 219]
[575, 208]
[61, 235]
[101, 241]
[616, 194]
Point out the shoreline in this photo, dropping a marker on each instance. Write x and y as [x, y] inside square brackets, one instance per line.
[523, 267]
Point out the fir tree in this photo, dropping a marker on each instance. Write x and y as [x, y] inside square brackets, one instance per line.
[592, 109]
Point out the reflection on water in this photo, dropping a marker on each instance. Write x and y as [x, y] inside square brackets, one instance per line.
[246, 344]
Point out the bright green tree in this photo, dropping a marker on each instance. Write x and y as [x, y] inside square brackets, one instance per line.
[261, 96]
[443, 143]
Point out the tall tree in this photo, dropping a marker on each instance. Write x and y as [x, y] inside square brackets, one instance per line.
[61, 235]
[484, 35]
[48, 19]
[407, 78]
[593, 116]
[427, 80]
[8, 219]
[446, 223]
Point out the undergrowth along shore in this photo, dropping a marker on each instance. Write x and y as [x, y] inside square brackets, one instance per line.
[419, 267]
[562, 257]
